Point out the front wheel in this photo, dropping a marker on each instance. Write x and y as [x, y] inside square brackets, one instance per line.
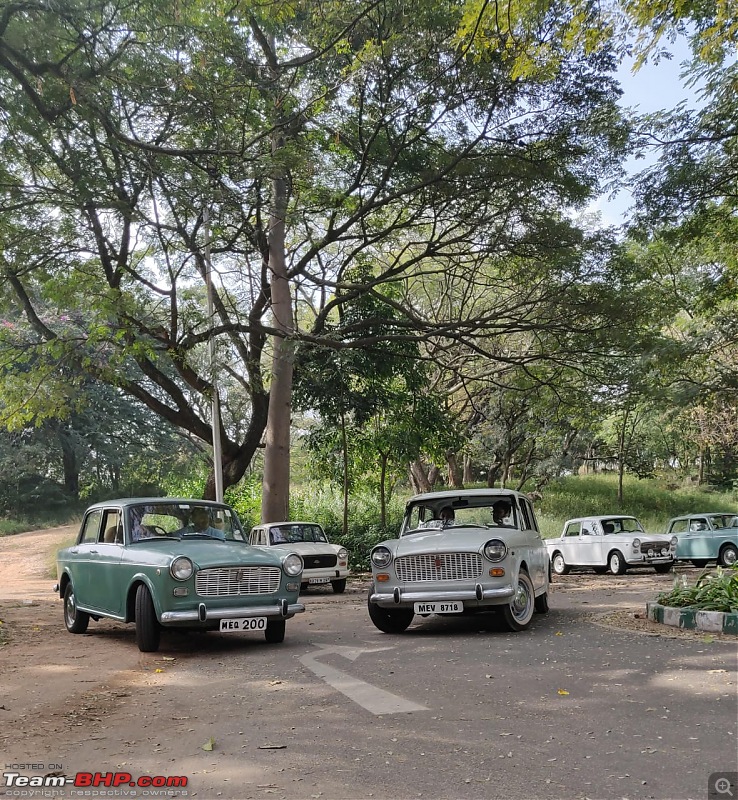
[616, 563]
[662, 569]
[390, 620]
[274, 633]
[519, 611]
[339, 586]
[558, 565]
[728, 555]
[147, 625]
[75, 620]
[599, 570]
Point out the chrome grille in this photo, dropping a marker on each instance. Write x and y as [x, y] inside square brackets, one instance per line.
[320, 561]
[656, 547]
[234, 581]
[439, 567]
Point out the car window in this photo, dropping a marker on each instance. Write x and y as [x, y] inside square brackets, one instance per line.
[91, 527]
[572, 529]
[526, 514]
[112, 527]
[678, 526]
[587, 529]
[153, 521]
[699, 524]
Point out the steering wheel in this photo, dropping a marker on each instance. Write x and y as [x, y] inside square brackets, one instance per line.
[157, 530]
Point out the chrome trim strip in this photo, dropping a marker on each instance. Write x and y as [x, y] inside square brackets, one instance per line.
[232, 613]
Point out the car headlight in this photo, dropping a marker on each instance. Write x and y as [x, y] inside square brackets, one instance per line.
[381, 557]
[495, 550]
[181, 568]
[673, 541]
[636, 544]
[292, 564]
[342, 554]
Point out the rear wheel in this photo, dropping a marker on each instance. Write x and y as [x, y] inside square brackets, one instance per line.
[75, 620]
[339, 586]
[519, 611]
[274, 633]
[616, 563]
[541, 603]
[700, 562]
[558, 565]
[600, 570]
[389, 620]
[728, 555]
[147, 625]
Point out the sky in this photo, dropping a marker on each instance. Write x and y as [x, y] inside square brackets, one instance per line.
[653, 88]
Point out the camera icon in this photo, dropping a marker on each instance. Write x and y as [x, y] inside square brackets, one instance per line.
[722, 786]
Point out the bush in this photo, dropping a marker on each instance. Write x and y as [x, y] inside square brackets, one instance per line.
[713, 591]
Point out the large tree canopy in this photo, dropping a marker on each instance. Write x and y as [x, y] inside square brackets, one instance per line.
[286, 144]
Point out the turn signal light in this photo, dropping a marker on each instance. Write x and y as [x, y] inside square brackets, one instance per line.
[382, 577]
[497, 572]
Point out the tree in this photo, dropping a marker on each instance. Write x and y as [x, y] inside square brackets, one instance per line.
[318, 136]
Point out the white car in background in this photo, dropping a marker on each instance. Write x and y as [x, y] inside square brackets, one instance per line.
[613, 542]
[324, 562]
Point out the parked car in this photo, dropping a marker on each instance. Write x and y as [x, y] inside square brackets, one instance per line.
[175, 563]
[702, 538]
[324, 562]
[610, 542]
[461, 552]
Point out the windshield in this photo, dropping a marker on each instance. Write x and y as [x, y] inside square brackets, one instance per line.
[494, 511]
[296, 532]
[723, 520]
[621, 525]
[182, 520]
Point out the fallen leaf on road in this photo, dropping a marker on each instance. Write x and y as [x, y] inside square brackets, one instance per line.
[563, 691]
[209, 745]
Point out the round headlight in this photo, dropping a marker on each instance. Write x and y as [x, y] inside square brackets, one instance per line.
[381, 557]
[636, 544]
[673, 541]
[495, 550]
[181, 568]
[292, 565]
[342, 554]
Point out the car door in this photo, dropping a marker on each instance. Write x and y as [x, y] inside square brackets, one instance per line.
[699, 536]
[107, 582]
[570, 543]
[81, 568]
[538, 555]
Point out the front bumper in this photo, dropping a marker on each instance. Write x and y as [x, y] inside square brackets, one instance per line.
[477, 596]
[202, 613]
[647, 562]
[334, 573]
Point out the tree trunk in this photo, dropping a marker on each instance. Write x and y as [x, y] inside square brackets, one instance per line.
[344, 447]
[70, 463]
[455, 478]
[383, 458]
[468, 470]
[419, 478]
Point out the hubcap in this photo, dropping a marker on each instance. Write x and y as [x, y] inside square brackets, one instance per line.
[520, 601]
[71, 608]
[730, 557]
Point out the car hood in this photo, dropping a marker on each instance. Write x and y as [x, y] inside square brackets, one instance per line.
[307, 548]
[207, 553]
[461, 540]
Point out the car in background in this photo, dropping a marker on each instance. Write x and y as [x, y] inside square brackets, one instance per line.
[461, 552]
[613, 542]
[323, 562]
[166, 563]
[702, 538]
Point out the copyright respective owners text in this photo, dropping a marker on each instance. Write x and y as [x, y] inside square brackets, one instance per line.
[722, 786]
[41, 780]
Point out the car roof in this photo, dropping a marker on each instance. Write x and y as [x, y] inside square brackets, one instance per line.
[706, 514]
[136, 501]
[601, 518]
[290, 522]
[450, 494]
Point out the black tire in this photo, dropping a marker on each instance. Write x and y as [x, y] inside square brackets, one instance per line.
[274, 633]
[600, 570]
[616, 563]
[540, 605]
[558, 565]
[519, 611]
[339, 586]
[662, 569]
[148, 631]
[728, 555]
[389, 620]
[700, 563]
[75, 620]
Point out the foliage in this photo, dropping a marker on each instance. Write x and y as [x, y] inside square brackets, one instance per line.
[712, 591]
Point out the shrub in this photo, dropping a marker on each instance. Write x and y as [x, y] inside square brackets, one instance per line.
[712, 591]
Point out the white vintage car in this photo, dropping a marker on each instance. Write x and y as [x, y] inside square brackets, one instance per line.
[610, 542]
[324, 562]
[461, 552]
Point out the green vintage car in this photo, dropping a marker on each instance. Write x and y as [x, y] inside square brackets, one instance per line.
[175, 563]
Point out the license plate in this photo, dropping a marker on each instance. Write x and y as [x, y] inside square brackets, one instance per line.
[319, 580]
[451, 607]
[243, 624]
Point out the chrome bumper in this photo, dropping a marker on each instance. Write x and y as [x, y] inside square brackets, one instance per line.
[398, 597]
[203, 614]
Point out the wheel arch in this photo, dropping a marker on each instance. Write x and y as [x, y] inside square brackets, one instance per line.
[140, 580]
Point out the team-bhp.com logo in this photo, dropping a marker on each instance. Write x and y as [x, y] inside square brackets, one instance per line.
[93, 780]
